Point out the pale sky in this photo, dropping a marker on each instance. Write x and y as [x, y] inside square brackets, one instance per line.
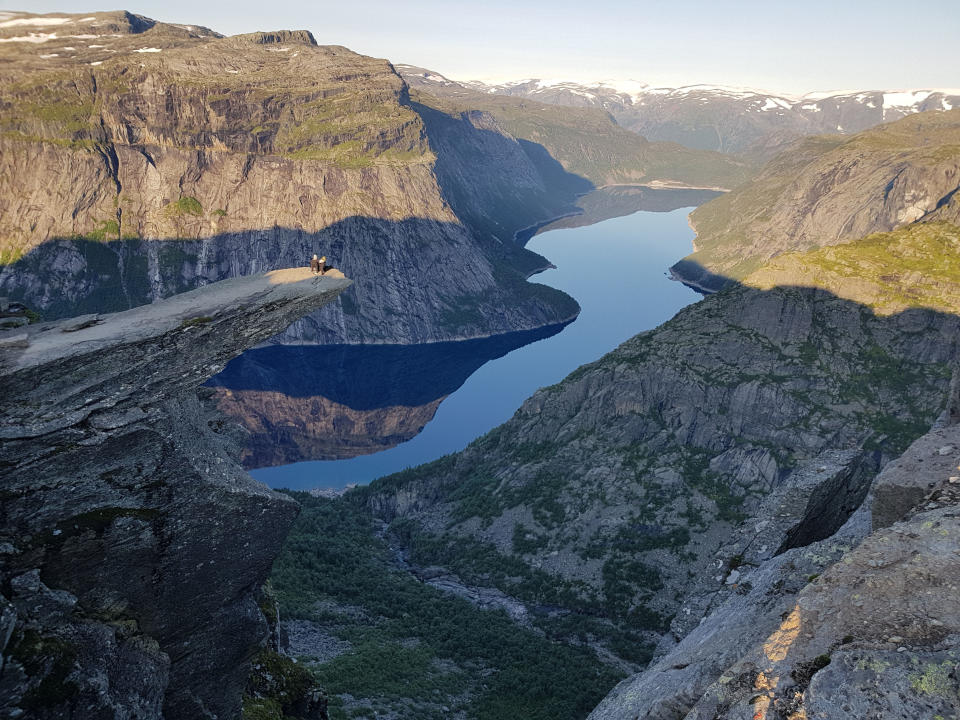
[792, 47]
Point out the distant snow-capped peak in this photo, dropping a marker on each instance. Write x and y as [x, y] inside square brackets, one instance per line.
[614, 93]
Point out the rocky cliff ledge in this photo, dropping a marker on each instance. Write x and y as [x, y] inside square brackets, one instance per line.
[131, 541]
[853, 626]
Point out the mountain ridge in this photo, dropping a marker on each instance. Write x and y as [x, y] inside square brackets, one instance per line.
[712, 117]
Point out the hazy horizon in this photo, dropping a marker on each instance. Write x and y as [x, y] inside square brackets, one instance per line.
[790, 49]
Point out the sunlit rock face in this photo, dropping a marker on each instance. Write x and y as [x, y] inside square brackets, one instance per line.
[831, 190]
[848, 627]
[132, 540]
[169, 157]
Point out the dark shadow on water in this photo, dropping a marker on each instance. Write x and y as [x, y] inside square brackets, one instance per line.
[338, 401]
[367, 377]
[696, 277]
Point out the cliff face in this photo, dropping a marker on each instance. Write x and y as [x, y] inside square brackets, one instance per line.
[853, 626]
[132, 541]
[475, 154]
[161, 158]
[828, 190]
[750, 424]
[195, 135]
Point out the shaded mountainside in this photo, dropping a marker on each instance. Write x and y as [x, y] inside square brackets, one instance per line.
[132, 542]
[588, 143]
[465, 292]
[618, 508]
[851, 626]
[387, 643]
[830, 190]
[246, 153]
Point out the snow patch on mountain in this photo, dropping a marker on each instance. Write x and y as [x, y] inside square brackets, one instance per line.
[31, 38]
[904, 99]
[775, 104]
[34, 22]
[626, 87]
[680, 114]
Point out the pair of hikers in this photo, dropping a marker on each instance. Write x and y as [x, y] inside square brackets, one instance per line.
[318, 265]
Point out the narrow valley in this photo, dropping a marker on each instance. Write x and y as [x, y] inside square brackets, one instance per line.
[599, 400]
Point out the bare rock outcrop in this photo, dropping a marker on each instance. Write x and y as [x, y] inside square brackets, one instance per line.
[856, 625]
[131, 541]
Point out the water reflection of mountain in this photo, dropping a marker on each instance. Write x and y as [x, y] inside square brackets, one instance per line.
[332, 402]
[619, 200]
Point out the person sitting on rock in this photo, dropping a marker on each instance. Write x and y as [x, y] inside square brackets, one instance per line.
[316, 265]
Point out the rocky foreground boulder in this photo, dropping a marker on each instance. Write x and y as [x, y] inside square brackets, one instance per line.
[857, 625]
[131, 540]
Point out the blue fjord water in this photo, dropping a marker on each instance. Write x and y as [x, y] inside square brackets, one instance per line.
[615, 269]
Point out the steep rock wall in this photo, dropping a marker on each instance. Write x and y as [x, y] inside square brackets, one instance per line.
[853, 626]
[133, 176]
[132, 541]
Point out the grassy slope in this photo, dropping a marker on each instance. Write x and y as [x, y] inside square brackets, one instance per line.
[737, 232]
[586, 142]
[232, 94]
[912, 267]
